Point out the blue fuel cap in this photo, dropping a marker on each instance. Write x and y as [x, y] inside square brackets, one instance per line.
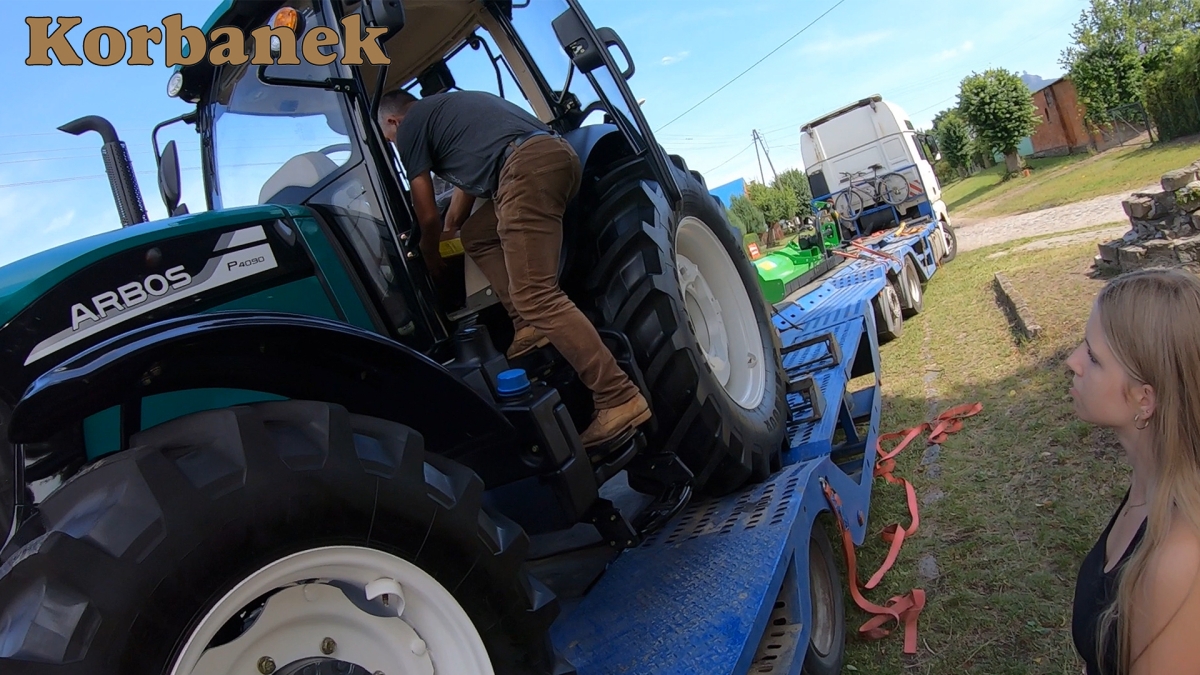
[512, 382]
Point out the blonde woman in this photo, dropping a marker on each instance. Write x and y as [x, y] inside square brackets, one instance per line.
[1137, 372]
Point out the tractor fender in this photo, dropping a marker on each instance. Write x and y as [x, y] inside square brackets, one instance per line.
[605, 141]
[289, 355]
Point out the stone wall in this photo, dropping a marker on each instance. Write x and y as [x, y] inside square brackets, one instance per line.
[1164, 226]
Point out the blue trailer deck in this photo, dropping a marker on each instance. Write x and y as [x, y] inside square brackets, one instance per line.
[697, 596]
[724, 587]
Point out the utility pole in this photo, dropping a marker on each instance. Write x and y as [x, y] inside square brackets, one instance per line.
[754, 136]
[758, 140]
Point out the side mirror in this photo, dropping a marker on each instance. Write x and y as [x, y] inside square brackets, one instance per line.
[387, 14]
[168, 178]
[585, 53]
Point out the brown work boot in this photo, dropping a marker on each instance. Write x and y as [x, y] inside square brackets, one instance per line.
[526, 340]
[610, 423]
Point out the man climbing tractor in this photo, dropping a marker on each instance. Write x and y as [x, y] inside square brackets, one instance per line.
[489, 148]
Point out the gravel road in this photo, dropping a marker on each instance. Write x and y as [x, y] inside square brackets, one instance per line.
[977, 233]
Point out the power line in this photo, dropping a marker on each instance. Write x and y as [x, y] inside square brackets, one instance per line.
[797, 34]
[739, 153]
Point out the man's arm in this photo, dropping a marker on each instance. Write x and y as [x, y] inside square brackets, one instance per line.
[429, 220]
[460, 210]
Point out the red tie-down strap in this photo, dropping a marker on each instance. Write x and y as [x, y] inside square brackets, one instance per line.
[903, 608]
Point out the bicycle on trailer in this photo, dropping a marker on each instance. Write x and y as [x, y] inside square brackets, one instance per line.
[891, 188]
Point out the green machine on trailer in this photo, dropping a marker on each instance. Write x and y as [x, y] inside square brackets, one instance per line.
[807, 257]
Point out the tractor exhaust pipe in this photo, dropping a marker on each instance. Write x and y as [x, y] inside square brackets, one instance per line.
[117, 165]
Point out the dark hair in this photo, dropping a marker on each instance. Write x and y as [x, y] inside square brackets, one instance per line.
[395, 103]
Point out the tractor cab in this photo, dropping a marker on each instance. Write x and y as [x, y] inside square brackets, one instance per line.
[307, 134]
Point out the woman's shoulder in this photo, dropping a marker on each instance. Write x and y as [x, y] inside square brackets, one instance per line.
[1167, 604]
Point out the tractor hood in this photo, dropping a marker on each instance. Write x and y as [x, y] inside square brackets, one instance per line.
[62, 300]
[24, 281]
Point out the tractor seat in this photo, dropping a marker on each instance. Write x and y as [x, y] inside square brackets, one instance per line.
[303, 171]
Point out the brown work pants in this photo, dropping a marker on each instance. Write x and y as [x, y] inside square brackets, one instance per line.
[517, 242]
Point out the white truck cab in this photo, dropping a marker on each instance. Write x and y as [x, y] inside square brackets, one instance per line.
[870, 133]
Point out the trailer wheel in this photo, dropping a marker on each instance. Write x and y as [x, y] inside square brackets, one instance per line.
[827, 620]
[889, 316]
[282, 537]
[679, 286]
[914, 295]
[951, 242]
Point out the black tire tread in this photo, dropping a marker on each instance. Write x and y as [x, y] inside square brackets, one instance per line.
[248, 484]
[632, 288]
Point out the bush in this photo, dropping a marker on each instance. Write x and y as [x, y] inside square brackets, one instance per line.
[797, 182]
[775, 203]
[746, 216]
[1173, 94]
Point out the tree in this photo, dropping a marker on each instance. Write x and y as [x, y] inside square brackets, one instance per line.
[1107, 74]
[746, 216]
[954, 139]
[937, 119]
[775, 203]
[1152, 28]
[997, 105]
[797, 182]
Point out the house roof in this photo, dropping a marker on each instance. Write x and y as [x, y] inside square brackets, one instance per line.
[1046, 85]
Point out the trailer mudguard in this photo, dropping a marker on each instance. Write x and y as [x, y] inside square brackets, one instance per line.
[288, 355]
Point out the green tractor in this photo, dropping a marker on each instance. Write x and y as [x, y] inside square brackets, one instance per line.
[256, 438]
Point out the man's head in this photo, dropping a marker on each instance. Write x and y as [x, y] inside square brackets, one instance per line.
[392, 109]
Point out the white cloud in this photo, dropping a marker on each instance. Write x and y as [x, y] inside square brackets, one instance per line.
[955, 51]
[668, 60]
[59, 222]
[838, 44]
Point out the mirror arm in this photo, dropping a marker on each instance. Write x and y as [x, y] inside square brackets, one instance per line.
[188, 117]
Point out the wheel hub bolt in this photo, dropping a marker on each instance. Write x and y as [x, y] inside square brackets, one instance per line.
[328, 646]
[266, 665]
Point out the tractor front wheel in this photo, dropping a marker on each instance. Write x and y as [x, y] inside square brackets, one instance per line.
[278, 538]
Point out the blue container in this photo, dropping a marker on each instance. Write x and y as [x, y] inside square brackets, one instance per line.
[513, 382]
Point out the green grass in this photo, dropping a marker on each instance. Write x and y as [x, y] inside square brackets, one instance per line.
[1115, 171]
[1064, 180]
[989, 183]
[1027, 487]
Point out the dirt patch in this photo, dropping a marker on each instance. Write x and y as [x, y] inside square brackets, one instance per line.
[974, 234]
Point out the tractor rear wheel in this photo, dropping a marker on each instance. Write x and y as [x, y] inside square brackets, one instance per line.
[280, 537]
[677, 283]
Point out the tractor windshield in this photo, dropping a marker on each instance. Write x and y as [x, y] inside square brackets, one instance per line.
[268, 138]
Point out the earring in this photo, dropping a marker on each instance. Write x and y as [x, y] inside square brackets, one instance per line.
[1137, 418]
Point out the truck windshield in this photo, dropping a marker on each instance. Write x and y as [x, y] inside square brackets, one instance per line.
[269, 138]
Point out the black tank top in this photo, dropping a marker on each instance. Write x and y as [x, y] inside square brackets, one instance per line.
[1094, 591]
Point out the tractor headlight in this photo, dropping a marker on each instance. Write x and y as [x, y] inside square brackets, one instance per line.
[175, 84]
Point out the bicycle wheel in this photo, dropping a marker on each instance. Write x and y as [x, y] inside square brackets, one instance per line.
[849, 204]
[894, 188]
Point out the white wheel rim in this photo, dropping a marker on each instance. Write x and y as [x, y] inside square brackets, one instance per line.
[822, 601]
[720, 312]
[893, 305]
[414, 626]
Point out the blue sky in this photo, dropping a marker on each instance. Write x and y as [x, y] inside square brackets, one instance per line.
[52, 188]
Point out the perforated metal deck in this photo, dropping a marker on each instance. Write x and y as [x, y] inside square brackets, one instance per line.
[697, 596]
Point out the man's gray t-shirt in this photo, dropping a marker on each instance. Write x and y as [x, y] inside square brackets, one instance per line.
[461, 136]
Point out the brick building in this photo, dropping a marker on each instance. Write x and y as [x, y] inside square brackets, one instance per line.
[1063, 130]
